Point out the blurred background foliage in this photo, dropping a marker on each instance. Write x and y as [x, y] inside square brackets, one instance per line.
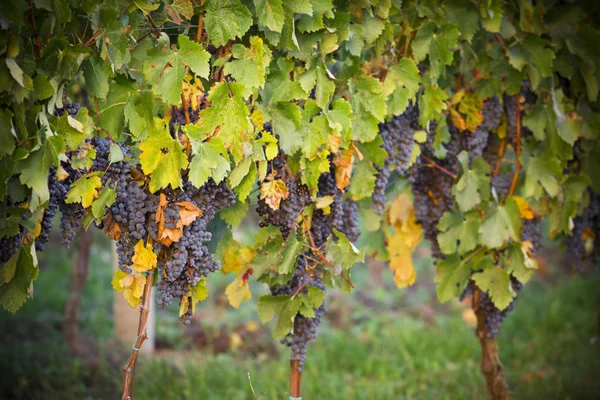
[379, 343]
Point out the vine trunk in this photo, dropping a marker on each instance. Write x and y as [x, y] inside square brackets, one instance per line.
[492, 368]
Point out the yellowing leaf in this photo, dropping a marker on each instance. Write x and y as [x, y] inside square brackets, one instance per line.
[144, 259]
[196, 294]
[401, 216]
[324, 202]
[188, 212]
[238, 291]
[401, 262]
[236, 257]
[84, 190]
[524, 209]
[132, 286]
[273, 191]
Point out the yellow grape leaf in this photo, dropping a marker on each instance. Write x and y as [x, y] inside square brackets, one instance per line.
[84, 190]
[458, 120]
[528, 257]
[132, 286]
[401, 215]
[343, 169]
[238, 291]
[184, 306]
[457, 97]
[324, 202]
[188, 212]
[144, 259]
[524, 209]
[61, 174]
[236, 257]
[401, 262]
[273, 191]
[257, 117]
[334, 142]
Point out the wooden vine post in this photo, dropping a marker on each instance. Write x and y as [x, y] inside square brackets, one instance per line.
[129, 368]
[295, 380]
[492, 369]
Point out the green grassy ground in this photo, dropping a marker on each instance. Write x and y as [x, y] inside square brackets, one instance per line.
[397, 345]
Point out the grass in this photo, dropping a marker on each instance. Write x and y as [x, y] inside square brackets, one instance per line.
[400, 344]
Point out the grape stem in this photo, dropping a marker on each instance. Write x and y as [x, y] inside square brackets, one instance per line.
[324, 259]
[35, 31]
[434, 164]
[500, 156]
[490, 363]
[129, 368]
[517, 146]
[200, 24]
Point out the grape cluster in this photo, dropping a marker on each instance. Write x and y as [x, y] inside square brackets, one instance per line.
[9, 246]
[532, 231]
[476, 142]
[58, 192]
[70, 214]
[397, 135]
[291, 207]
[188, 259]
[178, 119]
[492, 315]
[68, 107]
[432, 197]
[586, 229]
[305, 329]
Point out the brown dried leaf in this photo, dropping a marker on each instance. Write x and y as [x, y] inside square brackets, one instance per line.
[188, 212]
[111, 227]
[343, 168]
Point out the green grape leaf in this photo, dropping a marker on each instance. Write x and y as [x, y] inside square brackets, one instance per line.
[105, 199]
[235, 214]
[501, 224]
[491, 12]
[286, 125]
[279, 87]
[139, 114]
[42, 87]
[165, 69]
[286, 309]
[249, 66]
[162, 158]
[226, 20]
[210, 158]
[34, 169]
[401, 84]
[363, 180]
[473, 185]
[270, 14]
[438, 44]
[462, 14]
[452, 276]
[84, 190]
[496, 281]
[178, 9]
[542, 173]
[96, 74]
[312, 170]
[116, 43]
[227, 113]
[7, 133]
[324, 90]
[239, 172]
[373, 151]
[112, 117]
[316, 136]
[343, 254]
[244, 188]
[431, 104]
[116, 154]
[14, 293]
[368, 93]
[515, 264]
[290, 255]
[458, 232]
